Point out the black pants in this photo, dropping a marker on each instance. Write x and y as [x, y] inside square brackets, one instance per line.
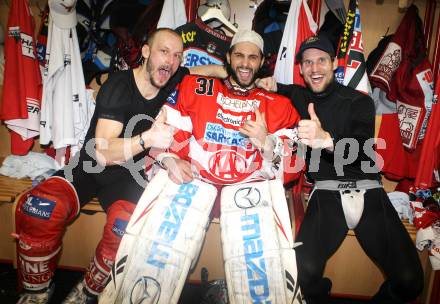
[121, 186]
[379, 232]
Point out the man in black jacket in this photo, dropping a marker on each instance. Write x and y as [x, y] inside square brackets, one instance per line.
[338, 127]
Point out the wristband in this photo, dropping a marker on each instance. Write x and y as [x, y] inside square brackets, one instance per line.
[142, 143]
[162, 156]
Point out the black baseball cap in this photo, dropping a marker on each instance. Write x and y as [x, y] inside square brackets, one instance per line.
[320, 42]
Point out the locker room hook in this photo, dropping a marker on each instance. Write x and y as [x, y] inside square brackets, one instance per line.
[386, 33]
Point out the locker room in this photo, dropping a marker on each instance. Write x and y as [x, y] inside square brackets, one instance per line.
[108, 36]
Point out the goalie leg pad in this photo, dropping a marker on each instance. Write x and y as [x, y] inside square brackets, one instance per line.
[160, 242]
[257, 245]
[97, 273]
[286, 243]
[41, 216]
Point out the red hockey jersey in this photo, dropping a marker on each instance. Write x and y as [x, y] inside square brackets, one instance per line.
[22, 80]
[430, 152]
[405, 74]
[208, 113]
[202, 45]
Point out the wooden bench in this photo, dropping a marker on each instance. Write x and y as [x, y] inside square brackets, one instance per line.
[10, 188]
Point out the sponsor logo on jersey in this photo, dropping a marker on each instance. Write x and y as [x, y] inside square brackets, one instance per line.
[230, 166]
[38, 207]
[195, 57]
[14, 32]
[253, 256]
[211, 47]
[426, 81]
[409, 117]
[27, 42]
[388, 63]
[27, 45]
[119, 227]
[237, 105]
[172, 99]
[169, 228]
[188, 37]
[96, 277]
[35, 273]
[229, 119]
[217, 134]
[33, 106]
[247, 197]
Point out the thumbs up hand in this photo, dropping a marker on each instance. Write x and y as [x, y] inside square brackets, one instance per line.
[162, 117]
[312, 113]
[256, 130]
[312, 134]
[160, 135]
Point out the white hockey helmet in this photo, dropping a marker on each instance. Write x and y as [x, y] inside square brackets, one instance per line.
[63, 13]
[223, 5]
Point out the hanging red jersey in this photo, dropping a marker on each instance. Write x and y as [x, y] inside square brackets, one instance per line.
[405, 74]
[430, 154]
[22, 79]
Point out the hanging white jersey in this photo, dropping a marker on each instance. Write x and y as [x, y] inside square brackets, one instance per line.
[66, 106]
[173, 14]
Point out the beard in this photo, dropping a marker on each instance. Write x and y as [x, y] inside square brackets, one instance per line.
[234, 76]
[149, 69]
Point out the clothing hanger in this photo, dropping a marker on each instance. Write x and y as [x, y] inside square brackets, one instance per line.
[215, 13]
[386, 33]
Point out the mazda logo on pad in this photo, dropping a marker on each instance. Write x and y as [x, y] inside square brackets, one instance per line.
[247, 197]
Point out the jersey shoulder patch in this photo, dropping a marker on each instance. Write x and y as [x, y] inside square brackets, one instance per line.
[172, 98]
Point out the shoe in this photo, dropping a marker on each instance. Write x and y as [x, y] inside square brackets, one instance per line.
[215, 293]
[78, 295]
[37, 298]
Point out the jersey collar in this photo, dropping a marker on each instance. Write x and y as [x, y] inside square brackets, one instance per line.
[237, 90]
